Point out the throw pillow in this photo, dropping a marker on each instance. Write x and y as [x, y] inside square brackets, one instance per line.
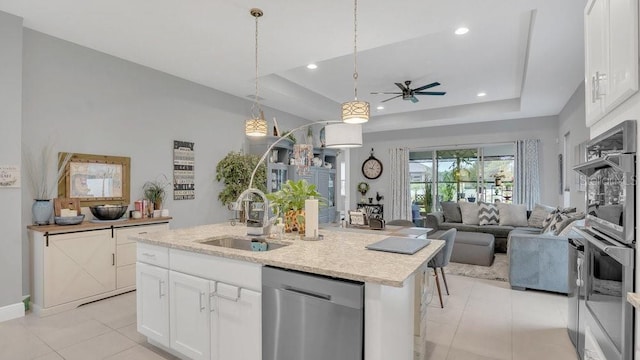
[547, 221]
[551, 226]
[568, 230]
[512, 215]
[565, 220]
[451, 211]
[538, 215]
[469, 213]
[488, 214]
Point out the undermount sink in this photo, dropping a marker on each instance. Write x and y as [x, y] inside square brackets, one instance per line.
[236, 242]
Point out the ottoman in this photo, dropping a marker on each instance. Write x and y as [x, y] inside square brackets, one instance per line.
[473, 248]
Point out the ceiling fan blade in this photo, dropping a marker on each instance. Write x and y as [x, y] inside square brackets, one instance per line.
[386, 93]
[427, 86]
[391, 98]
[414, 99]
[429, 92]
[401, 87]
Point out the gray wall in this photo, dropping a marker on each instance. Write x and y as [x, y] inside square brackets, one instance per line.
[10, 154]
[543, 128]
[85, 101]
[572, 120]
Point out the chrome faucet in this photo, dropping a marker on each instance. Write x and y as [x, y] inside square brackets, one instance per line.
[255, 227]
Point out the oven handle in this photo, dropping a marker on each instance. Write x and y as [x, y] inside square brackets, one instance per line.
[621, 253]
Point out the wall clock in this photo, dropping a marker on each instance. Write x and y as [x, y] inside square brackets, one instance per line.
[372, 167]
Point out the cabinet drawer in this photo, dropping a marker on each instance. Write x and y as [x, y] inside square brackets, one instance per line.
[122, 234]
[153, 254]
[239, 273]
[126, 276]
[126, 254]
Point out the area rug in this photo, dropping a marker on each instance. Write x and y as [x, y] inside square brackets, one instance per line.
[499, 270]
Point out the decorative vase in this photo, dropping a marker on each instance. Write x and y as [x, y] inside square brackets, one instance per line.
[42, 211]
[291, 220]
[498, 182]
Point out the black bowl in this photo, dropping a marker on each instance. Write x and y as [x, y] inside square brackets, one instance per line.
[108, 212]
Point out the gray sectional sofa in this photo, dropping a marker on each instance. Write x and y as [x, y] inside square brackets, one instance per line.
[538, 259]
[436, 221]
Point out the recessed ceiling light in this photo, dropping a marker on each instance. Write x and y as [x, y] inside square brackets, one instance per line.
[461, 31]
[481, 94]
[312, 66]
[380, 107]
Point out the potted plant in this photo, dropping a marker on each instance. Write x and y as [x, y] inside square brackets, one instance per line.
[234, 170]
[499, 176]
[289, 202]
[155, 192]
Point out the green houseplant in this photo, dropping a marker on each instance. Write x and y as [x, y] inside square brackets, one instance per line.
[155, 191]
[234, 170]
[289, 202]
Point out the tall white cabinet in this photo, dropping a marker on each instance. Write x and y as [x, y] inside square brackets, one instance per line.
[74, 265]
[611, 55]
[210, 307]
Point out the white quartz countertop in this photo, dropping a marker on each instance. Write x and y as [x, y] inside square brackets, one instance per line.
[340, 254]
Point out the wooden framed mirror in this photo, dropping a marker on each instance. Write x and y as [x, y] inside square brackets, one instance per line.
[96, 179]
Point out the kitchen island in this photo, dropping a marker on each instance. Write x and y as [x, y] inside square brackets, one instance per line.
[177, 272]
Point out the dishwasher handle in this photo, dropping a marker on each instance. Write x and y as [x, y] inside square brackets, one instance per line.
[307, 293]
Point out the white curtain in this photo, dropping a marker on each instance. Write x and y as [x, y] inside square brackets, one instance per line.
[527, 173]
[400, 191]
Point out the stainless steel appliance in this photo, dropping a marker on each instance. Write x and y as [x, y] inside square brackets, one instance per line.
[576, 315]
[610, 241]
[610, 171]
[311, 317]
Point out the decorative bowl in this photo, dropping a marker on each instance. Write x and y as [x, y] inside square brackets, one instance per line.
[108, 212]
[68, 220]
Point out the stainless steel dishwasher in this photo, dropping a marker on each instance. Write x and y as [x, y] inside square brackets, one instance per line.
[311, 317]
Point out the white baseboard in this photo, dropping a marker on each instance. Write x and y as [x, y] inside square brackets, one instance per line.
[12, 311]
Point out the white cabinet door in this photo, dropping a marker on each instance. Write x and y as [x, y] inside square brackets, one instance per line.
[595, 37]
[189, 315]
[236, 324]
[611, 55]
[153, 302]
[78, 265]
[623, 51]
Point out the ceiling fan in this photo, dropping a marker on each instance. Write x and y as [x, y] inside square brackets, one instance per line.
[410, 94]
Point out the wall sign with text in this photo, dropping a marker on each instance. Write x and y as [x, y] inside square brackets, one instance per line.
[183, 171]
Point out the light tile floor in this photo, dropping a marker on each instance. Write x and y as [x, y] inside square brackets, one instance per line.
[481, 319]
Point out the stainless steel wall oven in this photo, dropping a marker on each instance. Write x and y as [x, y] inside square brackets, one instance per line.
[610, 241]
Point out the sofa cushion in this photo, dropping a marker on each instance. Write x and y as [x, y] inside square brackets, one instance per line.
[547, 221]
[512, 214]
[459, 226]
[470, 213]
[451, 211]
[539, 214]
[569, 231]
[488, 214]
[496, 230]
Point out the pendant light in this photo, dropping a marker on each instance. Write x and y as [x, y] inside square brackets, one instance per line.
[355, 112]
[257, 125]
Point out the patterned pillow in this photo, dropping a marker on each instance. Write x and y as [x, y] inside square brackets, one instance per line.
[488, 214]
[547, 221]
[539, 215]
[564, 221]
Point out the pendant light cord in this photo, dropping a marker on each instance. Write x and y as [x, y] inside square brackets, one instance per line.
[255, 109]
[355, 49]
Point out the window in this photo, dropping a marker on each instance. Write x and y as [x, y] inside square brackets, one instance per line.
[471, 174]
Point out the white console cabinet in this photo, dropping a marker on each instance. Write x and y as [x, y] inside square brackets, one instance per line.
[611, 55]
[213, 308]
[74, 265]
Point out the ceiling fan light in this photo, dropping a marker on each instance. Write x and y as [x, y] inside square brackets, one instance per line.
[255, 127]
[343, 135]
[355, 112]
